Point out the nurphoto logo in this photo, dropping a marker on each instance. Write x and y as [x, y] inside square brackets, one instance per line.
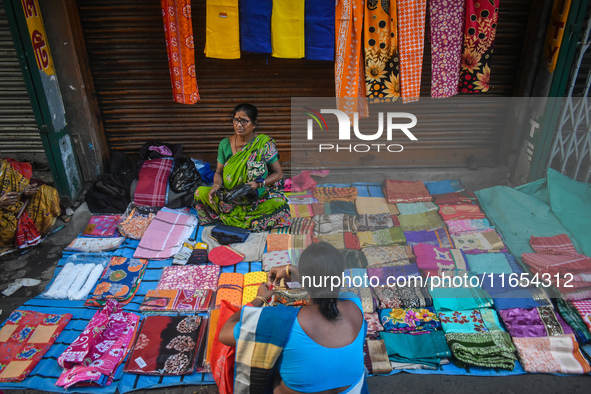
[395, 122]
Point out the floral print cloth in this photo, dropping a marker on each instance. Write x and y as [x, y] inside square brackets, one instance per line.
[470, 321]
[24, 339]
[135, 224]
[554, 354]
[189, 277]
[380, 38]
[446, 46]
[480, 29]
[100, 348]
[403, 296]
[166, 345]
[176, 300]
[102, 226]
[410, 319]
[119, 281]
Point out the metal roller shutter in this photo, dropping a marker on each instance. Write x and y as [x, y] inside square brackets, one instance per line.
[126, 48]
[19, 135]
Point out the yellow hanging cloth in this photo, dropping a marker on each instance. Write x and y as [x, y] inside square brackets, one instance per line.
[222, 29]
[287, 29]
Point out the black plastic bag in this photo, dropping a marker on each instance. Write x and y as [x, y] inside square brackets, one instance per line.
[241, 194]
[184, 176]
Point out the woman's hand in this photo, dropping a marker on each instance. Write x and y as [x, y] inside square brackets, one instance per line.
[8, 199]
[265, 292]
[276, 274]
[254, 185]
[212, 191]
[31, 190]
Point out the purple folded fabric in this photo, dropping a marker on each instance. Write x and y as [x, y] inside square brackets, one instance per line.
[437, 237]
[534, 322]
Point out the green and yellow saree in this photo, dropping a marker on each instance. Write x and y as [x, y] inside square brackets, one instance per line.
[249, 163]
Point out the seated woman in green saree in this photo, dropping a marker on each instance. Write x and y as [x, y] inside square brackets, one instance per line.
[250, 158]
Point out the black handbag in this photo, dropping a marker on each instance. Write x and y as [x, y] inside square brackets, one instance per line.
[241, 194]
[225, 234]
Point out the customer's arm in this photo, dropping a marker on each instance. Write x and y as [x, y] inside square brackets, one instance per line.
[227, 332]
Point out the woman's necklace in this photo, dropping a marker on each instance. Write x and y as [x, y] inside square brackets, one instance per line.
[236, 149]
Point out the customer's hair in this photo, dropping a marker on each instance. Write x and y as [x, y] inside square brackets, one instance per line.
[250, 110]
[317, 262]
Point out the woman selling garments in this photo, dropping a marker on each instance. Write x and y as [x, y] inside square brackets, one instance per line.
[245, 160]
[317, 348]
[27, 211]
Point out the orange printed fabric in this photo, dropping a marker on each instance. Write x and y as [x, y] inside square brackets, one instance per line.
[276, 242]
[411, 39]
[252, 282]
[405, 191]
[456, 212]
[178, 32]
[349, 70]
[381, 51]
[230, 287]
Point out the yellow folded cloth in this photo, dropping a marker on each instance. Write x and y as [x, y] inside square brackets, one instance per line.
[222, 29]
[287, 29]
[252, 281]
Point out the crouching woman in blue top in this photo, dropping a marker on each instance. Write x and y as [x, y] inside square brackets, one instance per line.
[313, 349]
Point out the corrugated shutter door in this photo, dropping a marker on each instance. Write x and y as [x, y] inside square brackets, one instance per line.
[19, 135]
[126, 48]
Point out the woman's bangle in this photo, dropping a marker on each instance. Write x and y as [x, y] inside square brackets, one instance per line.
[265, 302]
[287, 270]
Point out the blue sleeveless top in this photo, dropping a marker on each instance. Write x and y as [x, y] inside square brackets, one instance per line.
[308, 367]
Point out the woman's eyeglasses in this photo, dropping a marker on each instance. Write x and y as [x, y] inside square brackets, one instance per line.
[243, 122]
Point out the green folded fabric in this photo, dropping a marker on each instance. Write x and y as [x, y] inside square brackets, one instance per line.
[493, 349]
[427, 349]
